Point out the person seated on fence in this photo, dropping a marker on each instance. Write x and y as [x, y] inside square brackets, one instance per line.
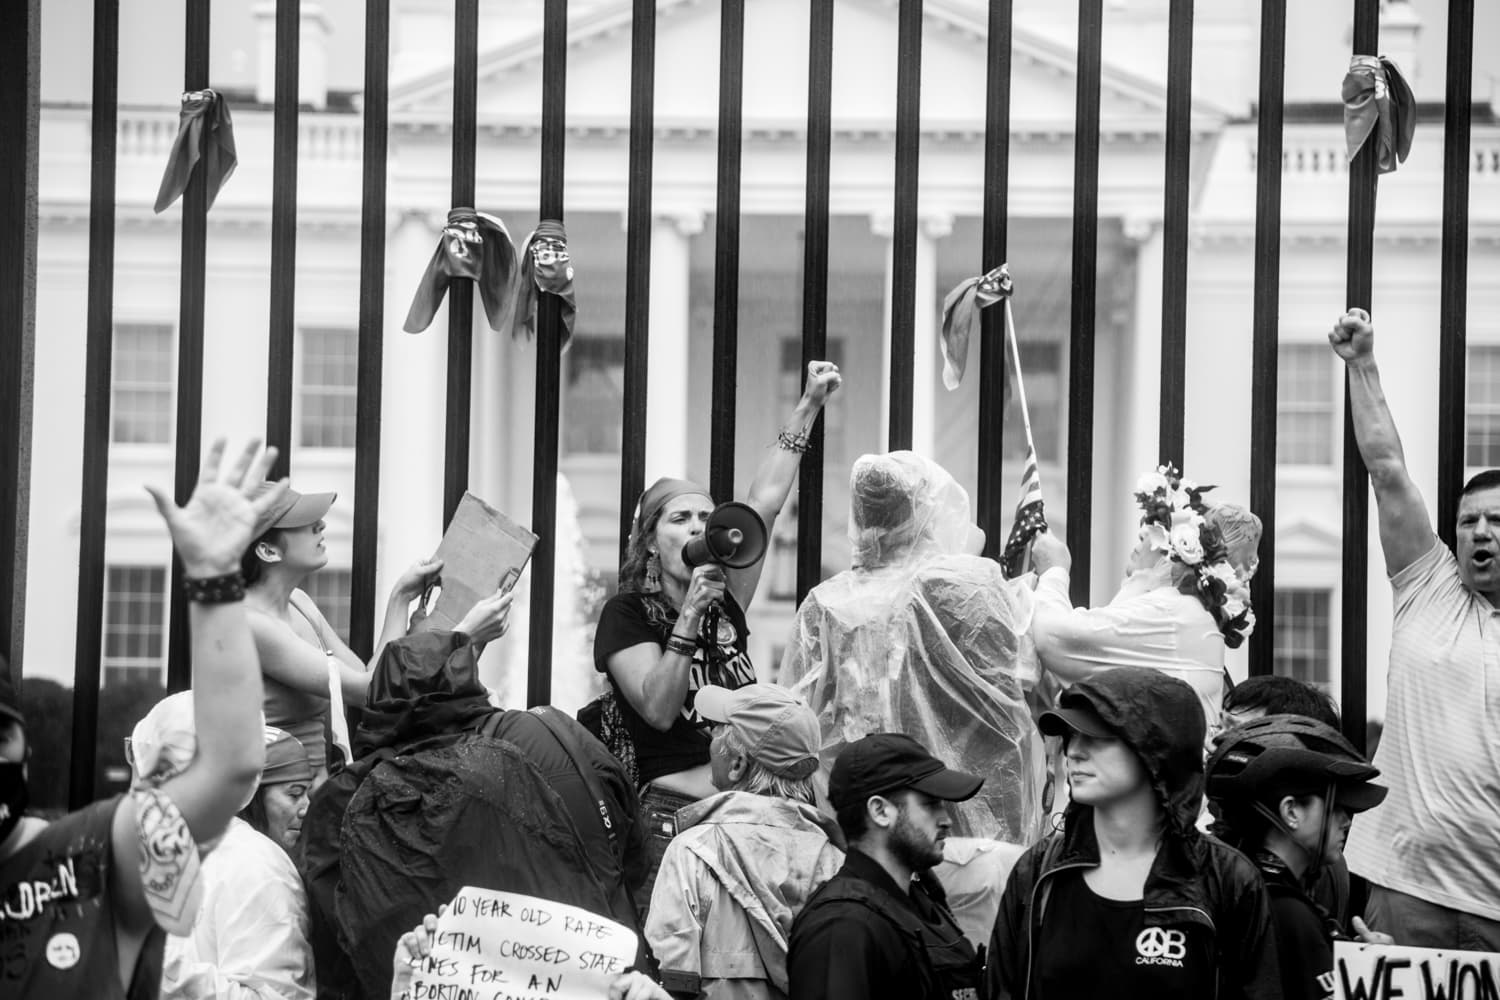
[1274, 694]
[446, 790]
[415, 947]
[926, 637]
[745, 860]
[1429, 852]
[673, 629]
[1185, 597]
[1128, 898]
[85, 906]
[310, 673]
[1286, 788]
[881, 926]
[250, 938]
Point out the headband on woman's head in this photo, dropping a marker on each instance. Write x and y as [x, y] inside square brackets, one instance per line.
[657, 495]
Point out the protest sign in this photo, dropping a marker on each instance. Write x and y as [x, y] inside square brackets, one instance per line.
[1389, 971]
[505, 946]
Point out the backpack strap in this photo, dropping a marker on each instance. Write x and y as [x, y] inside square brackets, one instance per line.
[553, 721]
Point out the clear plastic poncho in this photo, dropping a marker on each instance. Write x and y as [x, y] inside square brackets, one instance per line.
[923, 638]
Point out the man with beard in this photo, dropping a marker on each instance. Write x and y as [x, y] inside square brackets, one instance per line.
[1429, 851]
[881, 926]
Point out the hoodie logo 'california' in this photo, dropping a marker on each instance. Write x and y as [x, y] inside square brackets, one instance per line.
[1161, 946]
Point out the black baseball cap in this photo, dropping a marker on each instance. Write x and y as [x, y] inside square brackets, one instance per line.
[888, 762]
[1079, 717]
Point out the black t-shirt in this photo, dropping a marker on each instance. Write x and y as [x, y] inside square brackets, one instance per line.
[631, 619]
[1092, 948]
[1303, 947]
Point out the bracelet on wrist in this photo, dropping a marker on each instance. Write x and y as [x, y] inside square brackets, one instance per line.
[798, 442]
[223, 589]
[683, 647]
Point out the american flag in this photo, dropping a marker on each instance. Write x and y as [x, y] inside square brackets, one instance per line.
[1030, 518]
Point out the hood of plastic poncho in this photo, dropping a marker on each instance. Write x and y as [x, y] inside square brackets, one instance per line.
[904, 508]
[425, 684]
[1160, 718]
[924, 639]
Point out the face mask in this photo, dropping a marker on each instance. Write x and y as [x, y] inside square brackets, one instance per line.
[13, 796]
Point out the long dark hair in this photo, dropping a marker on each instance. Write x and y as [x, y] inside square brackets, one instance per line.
[638, 554]
[251, 566]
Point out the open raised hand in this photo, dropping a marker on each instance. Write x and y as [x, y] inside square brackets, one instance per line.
[217, 524]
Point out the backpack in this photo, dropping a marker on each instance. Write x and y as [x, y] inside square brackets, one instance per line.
[446, 812]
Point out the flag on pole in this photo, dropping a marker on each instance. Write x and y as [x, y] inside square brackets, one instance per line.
[1031, 515]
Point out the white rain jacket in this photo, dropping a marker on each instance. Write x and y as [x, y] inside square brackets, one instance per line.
[922, 638]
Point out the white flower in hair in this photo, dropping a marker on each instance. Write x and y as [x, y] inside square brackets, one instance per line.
[1156, 537]
[1233, 606]
[1187, 546]
[1151, 482]
[1225, 574]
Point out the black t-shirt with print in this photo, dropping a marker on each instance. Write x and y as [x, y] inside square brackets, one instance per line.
[1092, 948]
[631, 619]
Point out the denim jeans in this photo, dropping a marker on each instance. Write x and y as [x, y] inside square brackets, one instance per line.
[1416, 922]
[659, 816]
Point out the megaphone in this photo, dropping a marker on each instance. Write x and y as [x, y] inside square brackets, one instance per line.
[734, 537]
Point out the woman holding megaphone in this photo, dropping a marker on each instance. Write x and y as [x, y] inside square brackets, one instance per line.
[675, 627]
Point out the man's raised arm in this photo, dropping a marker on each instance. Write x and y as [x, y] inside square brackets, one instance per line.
[1405, 529]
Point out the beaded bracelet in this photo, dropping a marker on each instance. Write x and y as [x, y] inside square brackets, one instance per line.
[684, 647]
[787, 441]
[215, 589]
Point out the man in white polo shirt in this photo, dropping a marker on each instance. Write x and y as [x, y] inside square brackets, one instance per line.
[1432, 852]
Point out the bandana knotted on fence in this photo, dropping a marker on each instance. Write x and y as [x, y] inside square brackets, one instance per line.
[205, 135]
[474, 246]
[961, 316]
[550, 269]
[1377, 101]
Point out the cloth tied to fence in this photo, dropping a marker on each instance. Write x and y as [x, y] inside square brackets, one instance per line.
[961, 315]
[546, 267]
[1378, 102]
[478, 248]
[205, 134]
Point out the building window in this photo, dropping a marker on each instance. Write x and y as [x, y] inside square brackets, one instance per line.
[330, 359]
[1482, 409]
[330, 590]
[1300, 639]
[1305, 407]
[143, 382]
[593, 394]
[135, 622]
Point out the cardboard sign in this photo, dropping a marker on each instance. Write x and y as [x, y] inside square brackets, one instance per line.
[483, 550]
[505, 946]
[1389, 971]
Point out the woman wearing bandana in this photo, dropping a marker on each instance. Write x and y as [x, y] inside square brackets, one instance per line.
[673, 629]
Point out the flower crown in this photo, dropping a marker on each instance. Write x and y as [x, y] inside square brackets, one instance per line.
[1172, 514]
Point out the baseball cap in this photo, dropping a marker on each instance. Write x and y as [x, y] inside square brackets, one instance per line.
[889, 762]
[286, 759]
[1080, 717]
[779, 731]
[293, 510]
[10, 698]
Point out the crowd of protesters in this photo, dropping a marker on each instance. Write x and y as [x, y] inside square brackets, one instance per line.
[955, 785]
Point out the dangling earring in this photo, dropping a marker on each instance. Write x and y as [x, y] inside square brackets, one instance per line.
[653, 573]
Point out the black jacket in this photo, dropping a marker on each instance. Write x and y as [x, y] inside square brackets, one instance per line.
[1305, 932]
[1196, 881]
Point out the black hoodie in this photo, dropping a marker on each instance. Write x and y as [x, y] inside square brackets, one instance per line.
[1196, 882]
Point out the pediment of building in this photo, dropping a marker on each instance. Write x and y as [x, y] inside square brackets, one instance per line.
[954, 74]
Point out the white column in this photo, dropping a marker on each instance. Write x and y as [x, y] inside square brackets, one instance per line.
[883, 225]
[667, 374]
[412, 408]
[1137, 407]
[925, 366]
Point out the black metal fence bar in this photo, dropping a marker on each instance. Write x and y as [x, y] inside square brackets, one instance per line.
[727, 249]
[815, 281]
[993, 238]
[1266, 326]
[1453, 307]
[93, 499]
[1085, 279]
[188, 430]
[461, 296]
[20, 83]
[904, 223]
[1358, 292]
[368, 391]
[1179, 146]
[638, 225]
[548, 361]
[282, 339]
